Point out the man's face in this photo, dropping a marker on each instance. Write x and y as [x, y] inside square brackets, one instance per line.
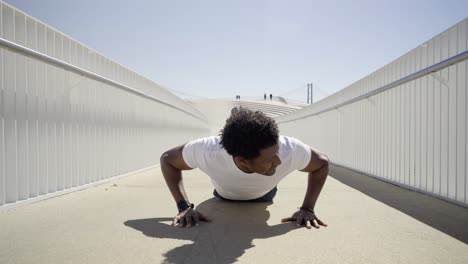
[267, 162]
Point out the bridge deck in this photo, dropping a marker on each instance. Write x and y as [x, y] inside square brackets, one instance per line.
[127, 221]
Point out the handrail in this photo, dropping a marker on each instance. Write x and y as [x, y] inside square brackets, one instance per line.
[32, 53]
[445, 63]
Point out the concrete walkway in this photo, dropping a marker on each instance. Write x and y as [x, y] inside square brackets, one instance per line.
[127, 221]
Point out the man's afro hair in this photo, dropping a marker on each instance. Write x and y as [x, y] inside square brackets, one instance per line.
[247, 131]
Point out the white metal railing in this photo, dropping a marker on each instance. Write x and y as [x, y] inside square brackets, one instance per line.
[431, 69]
[70, 117]
[411, 131]
[53, 61]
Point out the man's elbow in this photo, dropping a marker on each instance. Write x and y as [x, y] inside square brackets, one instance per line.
[165, 158]
[326, 163]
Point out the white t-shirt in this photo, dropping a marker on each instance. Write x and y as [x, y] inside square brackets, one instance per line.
[232, 183]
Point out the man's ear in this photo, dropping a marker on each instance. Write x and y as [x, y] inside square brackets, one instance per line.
[243, 160]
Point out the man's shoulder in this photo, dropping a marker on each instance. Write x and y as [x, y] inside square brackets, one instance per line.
[209, 143]
[286, 140]
[288, 143]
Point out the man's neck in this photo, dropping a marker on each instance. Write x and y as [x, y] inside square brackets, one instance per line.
[239, 165]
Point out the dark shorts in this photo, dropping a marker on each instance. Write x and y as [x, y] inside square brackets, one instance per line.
[267, 198]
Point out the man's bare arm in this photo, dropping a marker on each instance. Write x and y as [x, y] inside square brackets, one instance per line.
[172, 165]
[317, 168]
[318, 172]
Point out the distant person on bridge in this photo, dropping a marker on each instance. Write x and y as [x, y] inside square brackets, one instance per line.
[245, 163]
[271, 97]
[264, 96]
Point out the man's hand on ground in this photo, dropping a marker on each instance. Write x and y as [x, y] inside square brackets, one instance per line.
[305, 218]
[189, 218]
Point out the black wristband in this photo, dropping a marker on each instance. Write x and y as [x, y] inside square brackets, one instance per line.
[183, 205]
[307, 209]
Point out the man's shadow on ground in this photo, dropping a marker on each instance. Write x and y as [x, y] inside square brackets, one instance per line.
[234, 227]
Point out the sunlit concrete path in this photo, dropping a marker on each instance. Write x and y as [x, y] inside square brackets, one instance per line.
[127, 221]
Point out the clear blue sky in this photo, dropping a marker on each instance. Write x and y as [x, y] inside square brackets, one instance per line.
[222, 48]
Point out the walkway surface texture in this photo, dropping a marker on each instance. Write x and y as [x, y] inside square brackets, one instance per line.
[128, 221]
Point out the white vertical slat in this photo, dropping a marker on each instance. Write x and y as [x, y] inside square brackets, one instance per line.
[394, 129]
[42, 111]
[398, 172]
[431, 121]
[382, 135]
[21, 109]
[32, 102]
[389, 123]
[398, 126]
[118, 131]
[411, 129]
[388, 120]
[388, 128]
[368, 124]
[86, 124]
[10, 133]
[119, 127]
[414, 121]
[406, 120]
[95, 130]
[81, 147]
[113, 133]
[59, 110]
[2, 119]
[437, 121]
[67, 137]
[404, 135]
[461, 114]
[361, 135]
[424, 120]
[386, 100]
[75, 159]
[396, 123]
[452, 115]
[365, 124]
[402, 99]
[376, 128]
[444, 119]
[81, 156]
[362, 127]
[125, 134]
[353, 134]
[373, 130]
[93, 102]
[107, 133]
[342, 146]
[105, 128]
[384, 97]
[51, 117]
[466, 134]
[382, 132]
[67, 155]
[74, 86]
[122, 130]
[417, 126]
[466, 101]
[98, 120]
